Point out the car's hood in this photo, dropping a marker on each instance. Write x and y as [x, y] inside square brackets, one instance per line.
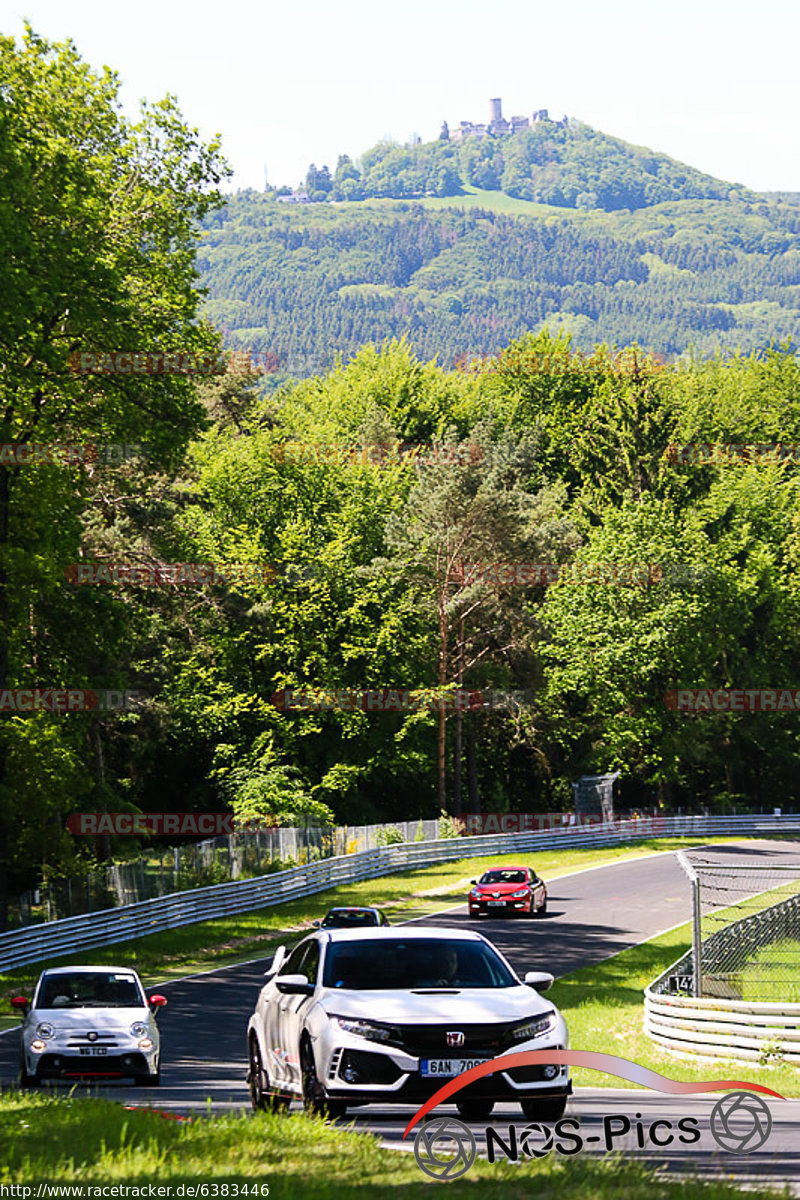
[437, 1006]
[500, 889]
[100, 1019]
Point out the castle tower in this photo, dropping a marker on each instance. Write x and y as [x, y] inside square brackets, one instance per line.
[495, 111]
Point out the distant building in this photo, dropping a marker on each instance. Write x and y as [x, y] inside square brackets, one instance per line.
[498, 125]
[295, 198]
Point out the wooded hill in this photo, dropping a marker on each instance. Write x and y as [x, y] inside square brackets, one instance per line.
[562, 226]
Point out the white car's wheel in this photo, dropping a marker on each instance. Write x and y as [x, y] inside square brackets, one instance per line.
[262, 1098]
[26, 1080]
[474, 1110]
[315, 1098]
[550, 1108]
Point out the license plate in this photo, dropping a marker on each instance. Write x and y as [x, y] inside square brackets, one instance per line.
[496, 903]
[447, 1066]
[93, 1050]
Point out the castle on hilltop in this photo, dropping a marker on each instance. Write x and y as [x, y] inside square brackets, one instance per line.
[497, 126]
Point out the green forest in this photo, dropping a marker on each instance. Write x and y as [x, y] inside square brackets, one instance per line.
[549, 450]
[681, 278]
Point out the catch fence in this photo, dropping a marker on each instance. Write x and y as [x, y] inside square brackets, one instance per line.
[58, 938]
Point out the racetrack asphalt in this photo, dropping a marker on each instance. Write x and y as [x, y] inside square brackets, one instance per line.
[592, 914]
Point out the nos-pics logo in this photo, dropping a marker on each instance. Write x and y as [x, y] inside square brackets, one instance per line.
[445, 1148]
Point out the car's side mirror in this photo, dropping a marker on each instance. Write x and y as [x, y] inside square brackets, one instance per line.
[294, 985]
[20, 1002]
[156, 1001]
[316, 924]
[473, 883]
[277, 961]
[541, 980]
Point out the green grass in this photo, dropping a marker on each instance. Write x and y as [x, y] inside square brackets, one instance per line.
[787, 953]
[86, 1141]
[227, 940]
[499, 202]
[604, 1009]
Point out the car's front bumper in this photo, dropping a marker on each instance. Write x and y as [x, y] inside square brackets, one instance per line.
[363, 1072]
[133, 1065]
[125, 1058]
[482, 908]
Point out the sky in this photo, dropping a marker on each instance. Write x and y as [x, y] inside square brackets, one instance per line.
[712, 84]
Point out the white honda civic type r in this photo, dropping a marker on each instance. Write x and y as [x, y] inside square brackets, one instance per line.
[387, 1015]
[89, 1022]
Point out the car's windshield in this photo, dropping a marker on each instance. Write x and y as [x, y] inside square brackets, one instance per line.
[346, 918]
[90, 989]
[503, 877]
[414, 963]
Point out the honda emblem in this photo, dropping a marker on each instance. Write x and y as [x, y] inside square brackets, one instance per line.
[456, 1038]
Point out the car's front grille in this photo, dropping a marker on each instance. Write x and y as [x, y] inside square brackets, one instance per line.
[100, 1039]
[423, 1041]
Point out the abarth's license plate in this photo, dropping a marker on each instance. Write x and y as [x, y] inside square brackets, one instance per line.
[93, 1050]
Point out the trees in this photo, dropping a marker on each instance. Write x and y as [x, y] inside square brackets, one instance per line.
[97, 231]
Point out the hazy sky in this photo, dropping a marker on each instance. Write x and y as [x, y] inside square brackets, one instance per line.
[714, 84]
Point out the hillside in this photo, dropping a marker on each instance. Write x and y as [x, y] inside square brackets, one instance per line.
[306, 281]
[567, 164]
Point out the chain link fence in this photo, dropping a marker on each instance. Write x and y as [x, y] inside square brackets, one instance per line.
[746, 931]
[201, 864]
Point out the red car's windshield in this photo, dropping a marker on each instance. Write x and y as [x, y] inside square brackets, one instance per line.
[504, 877]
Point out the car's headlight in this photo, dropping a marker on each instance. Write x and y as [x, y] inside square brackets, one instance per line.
[535, 1027]
[38, 1046]
[45, 1030]
[475, 893]
[138, 1029]
[370, 1030]
[146, 1044]
[521, 894]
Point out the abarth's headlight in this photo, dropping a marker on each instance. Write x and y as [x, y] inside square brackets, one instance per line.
[138, 1029]
[45, 1030]
[535, 1027]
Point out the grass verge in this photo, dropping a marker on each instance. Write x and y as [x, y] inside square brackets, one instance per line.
[604, 1009]
[227, 940]
[89, 1142]
[781, 961]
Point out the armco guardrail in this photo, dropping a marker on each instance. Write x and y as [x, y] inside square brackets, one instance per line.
[716, 1028]
[55, 939]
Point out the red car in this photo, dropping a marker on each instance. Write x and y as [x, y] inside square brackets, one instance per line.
[508, 889]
